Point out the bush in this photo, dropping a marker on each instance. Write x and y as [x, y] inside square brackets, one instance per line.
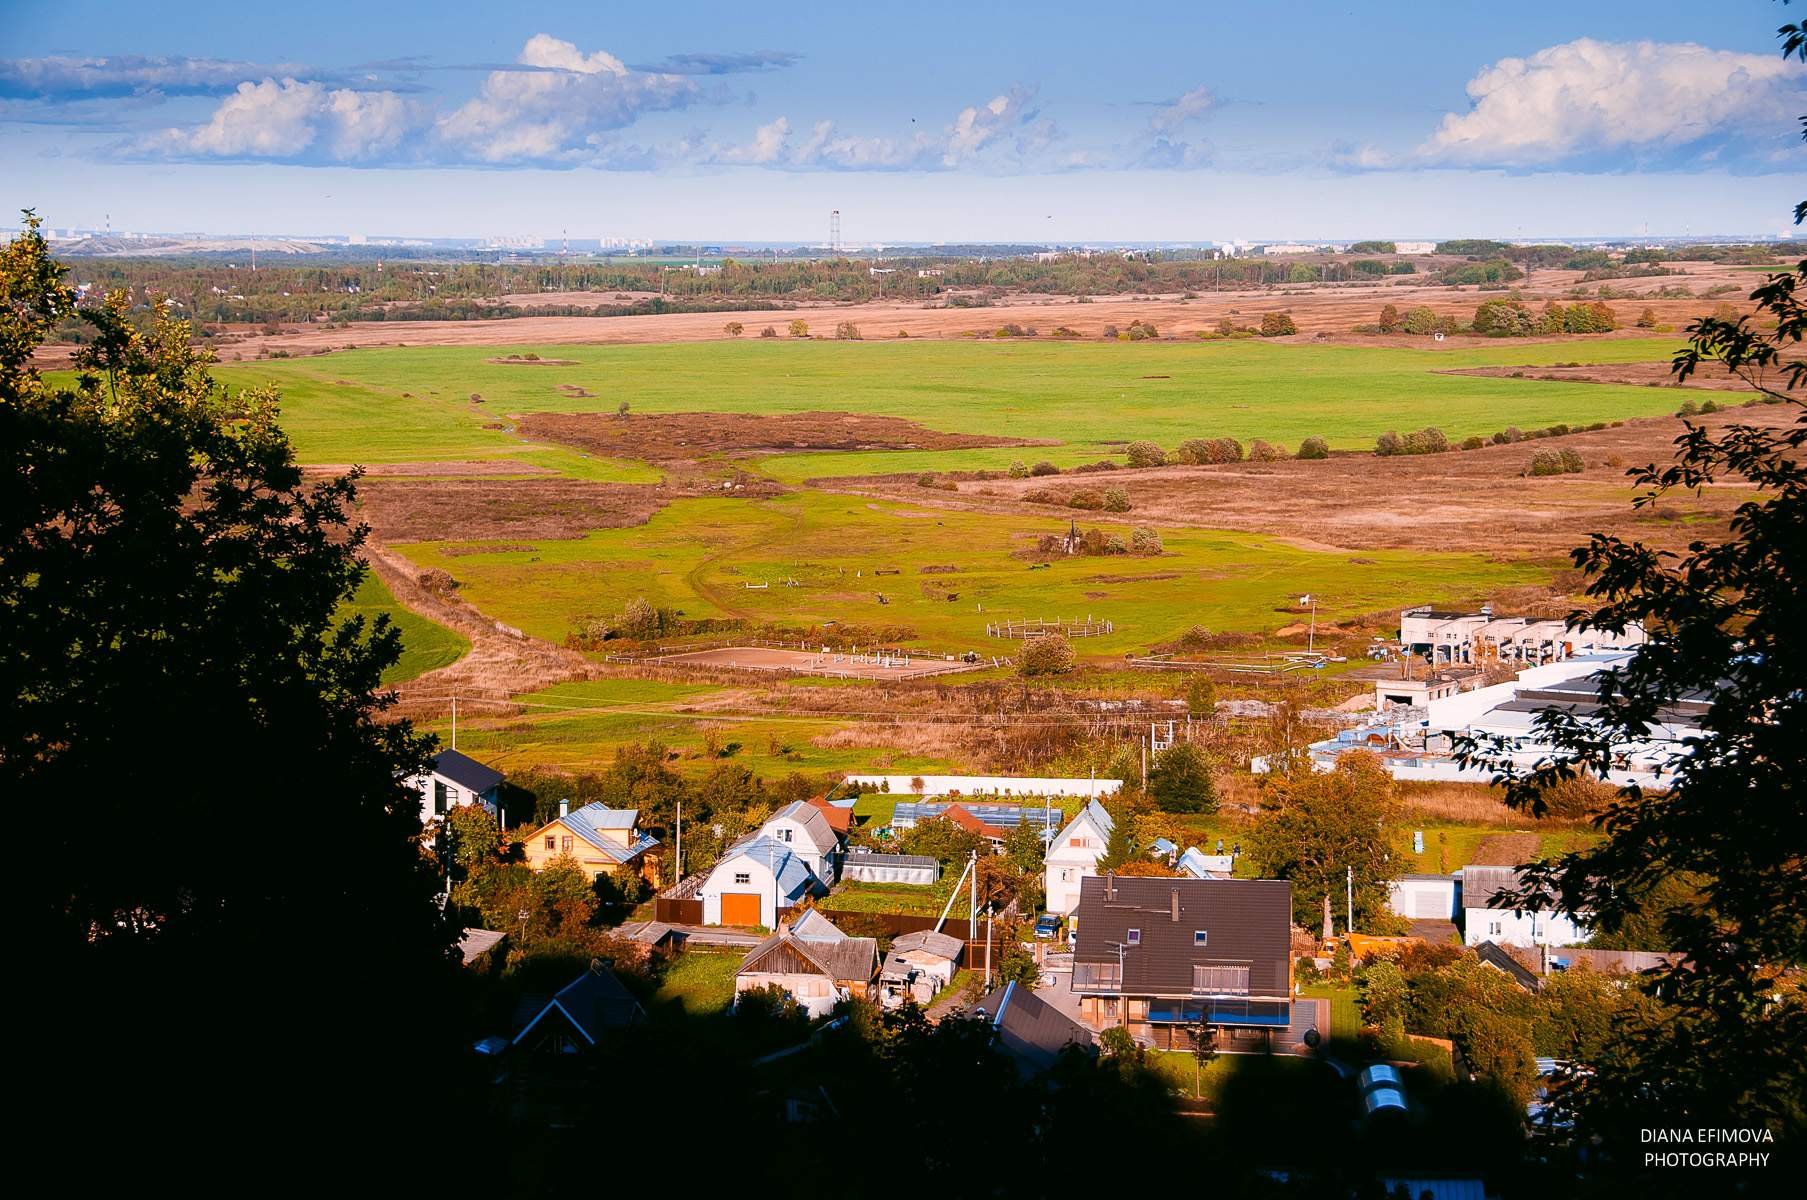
[1544, 463]
[1314, 448]
[1141, 331]
[1420, 320]
[1277, 325]
[1473, 443]
[1647, 319]
[1116, 500]
[926, 479]
[1571, 461]
[1044, 468]
[799, 328]
[1087, 499]
[768, 331]
[1260, 451]
[1047, 655]
[1429, 440]
[1203, 451]
[1146, 454]
[847, 331]
[1019, 470]
[734, 329]
[1688, 409]
[1143, 540]
[1389, 319]
[1108, 333]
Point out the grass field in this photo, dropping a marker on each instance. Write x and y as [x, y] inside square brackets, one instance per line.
[698, 555]
[413, 404]
[426, 646]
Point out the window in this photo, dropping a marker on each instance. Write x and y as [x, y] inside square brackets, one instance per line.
[1201, 937]
[1103, 977]
[566, 847]
[1134, 937]
[786, 833]
[551, 843]
[1493, 929]
[442, 797]
[1220, 981]
[743, 877]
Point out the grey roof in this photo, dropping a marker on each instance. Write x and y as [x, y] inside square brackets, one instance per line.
[927, 939]
[1500, 959]
[465, 771]
[854, 959]
[1480, 884]
[1029, 1029]
[794, 875]
[593, 1002]
[812, 926]
[475, 942]
[1248, 922]
[812, 819]
[894, 860]
[590, 822]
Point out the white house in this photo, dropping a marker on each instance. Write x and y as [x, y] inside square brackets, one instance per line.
[453, 780]
[1074, 854]
[1481, 922]
[753, 880]
[1426, 897]
[803, 829]
[1199, 865]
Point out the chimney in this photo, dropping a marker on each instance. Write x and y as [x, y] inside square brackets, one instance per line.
[1110, 885]
[1175, 895]
[564, 808]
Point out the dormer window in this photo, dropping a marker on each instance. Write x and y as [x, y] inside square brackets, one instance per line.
[1134, 937]
[1201, 937]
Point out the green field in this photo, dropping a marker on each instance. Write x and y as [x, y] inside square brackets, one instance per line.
[426, 646]
[413, 404]
[699, 555]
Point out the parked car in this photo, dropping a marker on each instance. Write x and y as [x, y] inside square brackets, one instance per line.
[1047, 925]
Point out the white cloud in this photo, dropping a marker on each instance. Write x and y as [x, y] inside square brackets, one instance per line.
[294, 119]
[555, 107]
[984, 131]
[1175, 114]
[65, 77]
[1588, 97]
[981, 126]
[766, 147]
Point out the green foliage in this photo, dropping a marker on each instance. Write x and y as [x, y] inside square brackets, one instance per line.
[1504, 318]
[942, 840]
[1117, 1042]
[1277, 325]
[1373, 247]
[1204, 451]
[1421, 321]
[1313, 827]
[1383, 993]
[1145, 541]
[1389, 318]
[1180, 780]
[1429, 440]
[1018, 470]
[1472, 247]
[1145, 454]
[1116, 500]
[1314, 448]
[1050, 654]
[1260, 451]
[1201, 697]
[475, 839]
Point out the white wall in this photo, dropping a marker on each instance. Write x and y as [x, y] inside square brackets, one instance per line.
[1423, 899]
[987, 785]
[1513, 929]
[456, 797]
[721, 879]
[820, 859]
[1067, 864]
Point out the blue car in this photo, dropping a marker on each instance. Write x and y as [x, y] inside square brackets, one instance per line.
[1047, 925]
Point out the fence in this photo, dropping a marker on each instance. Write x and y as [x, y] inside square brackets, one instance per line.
[1025, 630]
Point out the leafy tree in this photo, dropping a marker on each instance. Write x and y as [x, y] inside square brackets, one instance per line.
[942, 840]
[172, 643]
[1180, 780]
[1724, 622]
[1023, 848]
[1383, 992]
[1498, 1052]
[1121, 848]
[1049, 654]
[1647, 319]
[1118, 1043]
[1201, 697]
[1313, 827]
[475, 839]
[1389, 318]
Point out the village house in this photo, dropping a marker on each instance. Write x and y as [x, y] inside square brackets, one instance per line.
[453, 780]
[1165, 956]
[1196, 864]
[918, 965]
[970, 821]
[1073, 856]
[1029, 1029]
[602, 840]
[813, 963]
[1482, 922]
[805, 830]
[1426, 897]
[578, 1016]
[756, 879]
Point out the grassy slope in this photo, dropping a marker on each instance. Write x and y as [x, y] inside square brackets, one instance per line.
[426, 646]
[350, 406]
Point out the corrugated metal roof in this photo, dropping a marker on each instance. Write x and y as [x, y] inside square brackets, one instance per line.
[928, 940]
[591, 820]
[794, 875]
[893, 860]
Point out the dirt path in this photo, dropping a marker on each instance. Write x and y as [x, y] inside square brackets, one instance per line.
[502, 661]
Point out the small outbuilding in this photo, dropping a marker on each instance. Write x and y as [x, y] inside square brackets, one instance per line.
[1029, 1029]
[922, 869]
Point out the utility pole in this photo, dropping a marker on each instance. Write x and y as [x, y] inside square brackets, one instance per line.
[1349, 900]
[677, 870]
[454, 722]
[989, 920]
[972, 918]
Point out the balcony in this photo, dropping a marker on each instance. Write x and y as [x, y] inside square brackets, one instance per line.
[1097, 977]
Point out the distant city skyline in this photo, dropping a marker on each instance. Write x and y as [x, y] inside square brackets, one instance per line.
[949, 123]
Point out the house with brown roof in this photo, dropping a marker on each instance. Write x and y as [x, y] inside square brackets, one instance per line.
[970, 821]
[839, 817]
[814, 964]
[1172, 958]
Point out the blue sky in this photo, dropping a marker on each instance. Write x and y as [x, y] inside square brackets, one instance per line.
[926, 121]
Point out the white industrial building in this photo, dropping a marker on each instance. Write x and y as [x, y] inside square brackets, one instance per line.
[1485, 637]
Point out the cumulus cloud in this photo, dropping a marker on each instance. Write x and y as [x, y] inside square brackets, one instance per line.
[559, 106]
[1005, 126]
[1615, 103]
[1174, 115]
[296, 120]
[766, 147]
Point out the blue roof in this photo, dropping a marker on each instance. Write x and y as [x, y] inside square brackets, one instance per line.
[589, 822]
[794, 875]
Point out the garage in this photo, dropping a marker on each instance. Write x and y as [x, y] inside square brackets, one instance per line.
[741, 908]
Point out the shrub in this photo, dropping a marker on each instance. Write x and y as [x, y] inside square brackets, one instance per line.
[1108, 333]
[1087, 499]
[1277, 325]
[734, 329]
[1019, 470]
[1473, 443]
[1044, 468]
[1429, 440]
[1116, 500]
[768, 331]
[1708, 406]
[1571, 461]
[1314, 448]
[1508, 435]
[1389, 319]
[1688, 409]
[1143, 540]
[1048, 655]
[1146, 454]
[847, 331]
[1388, 444]
[1260, 451]
[1420, 320]
[1647, 319]
[1141, 330]
[799, 328]
[1202, 451]
[1114, 544]
[1544, 462]
[926, 479]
